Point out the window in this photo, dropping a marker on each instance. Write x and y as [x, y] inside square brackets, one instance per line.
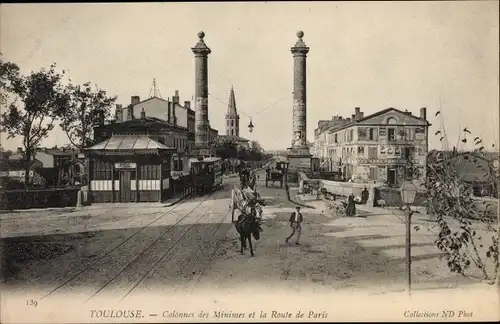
[351, 135]
[406, 153]
[335, 138]
[392, 121]
[371, 134]
[361, 150]
[373, 175]
[372, 152]
[392, 134]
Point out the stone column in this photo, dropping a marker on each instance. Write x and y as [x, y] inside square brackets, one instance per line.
[299, 51]
[299, 157]
[201, 52]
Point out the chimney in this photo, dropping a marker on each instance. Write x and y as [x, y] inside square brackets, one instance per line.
[175, 98]
[423, 113]
[187, 104]
[118, 113]
[348, 119]
[169, 112]
[134, 100]
[353, 117]
[174, 118]
[143, 114]
[130, 112]
[358, 114]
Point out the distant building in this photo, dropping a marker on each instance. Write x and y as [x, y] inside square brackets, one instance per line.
[169, 110]
[241, 142]
[51, 164]
[233, 125]
[174, 137]
[375, 148]
[232, 117]
[474, 170]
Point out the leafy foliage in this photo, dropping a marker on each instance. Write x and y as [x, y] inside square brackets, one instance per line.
[38, 99]
[84, 109]
[9, 74]
[226, 150]
[458, 214]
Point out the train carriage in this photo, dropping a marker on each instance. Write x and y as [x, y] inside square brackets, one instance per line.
[206, 174]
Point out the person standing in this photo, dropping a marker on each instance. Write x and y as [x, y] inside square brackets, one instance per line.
[351, 206]
[296, 220]
[364, 196]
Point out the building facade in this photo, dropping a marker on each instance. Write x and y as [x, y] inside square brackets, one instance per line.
[175, 137]
[129, 168]
[169, 110]
[375, 148]
[232, 117]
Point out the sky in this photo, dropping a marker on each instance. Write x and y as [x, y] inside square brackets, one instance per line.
[372, 55]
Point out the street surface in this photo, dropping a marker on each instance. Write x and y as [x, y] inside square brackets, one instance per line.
[121, 251]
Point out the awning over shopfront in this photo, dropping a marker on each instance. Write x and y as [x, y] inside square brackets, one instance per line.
[129, 144]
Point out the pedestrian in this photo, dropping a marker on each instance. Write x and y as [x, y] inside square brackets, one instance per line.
[296, 225]
[364, 196]
[351, 207]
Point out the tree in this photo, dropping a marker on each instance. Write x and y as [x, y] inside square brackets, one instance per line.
[86, 106]
[227, 150]
[9, 72]
[466, 235]
[42, 98]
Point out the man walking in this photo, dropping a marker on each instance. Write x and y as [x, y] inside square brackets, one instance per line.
[296, 225]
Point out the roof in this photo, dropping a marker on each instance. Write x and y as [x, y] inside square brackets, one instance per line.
[348, 123]
[231, 107]
[232, 138]
[129, 143]
[147, 121]
[154, 98]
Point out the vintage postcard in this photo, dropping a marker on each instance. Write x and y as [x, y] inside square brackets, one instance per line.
[249, 162]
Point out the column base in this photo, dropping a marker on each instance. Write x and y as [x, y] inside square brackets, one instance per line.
[299, 160]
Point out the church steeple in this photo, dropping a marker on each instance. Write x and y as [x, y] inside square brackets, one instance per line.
[232, 117]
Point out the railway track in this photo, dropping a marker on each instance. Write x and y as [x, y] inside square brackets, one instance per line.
[198, 261]
[128, 247]
[103, 253]
[138, 270]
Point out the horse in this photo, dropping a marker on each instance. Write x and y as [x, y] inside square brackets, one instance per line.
[246, 226]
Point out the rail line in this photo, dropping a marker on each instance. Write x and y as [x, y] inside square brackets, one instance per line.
[92, 264]
[115, 247]
[167, 253]
[195, 261]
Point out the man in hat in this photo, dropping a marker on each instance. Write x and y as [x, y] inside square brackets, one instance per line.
[296, 220]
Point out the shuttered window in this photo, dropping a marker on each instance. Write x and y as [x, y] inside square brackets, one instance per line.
[372, 152]
[373, 175]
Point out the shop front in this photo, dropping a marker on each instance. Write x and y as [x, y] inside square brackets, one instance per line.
[129, 168]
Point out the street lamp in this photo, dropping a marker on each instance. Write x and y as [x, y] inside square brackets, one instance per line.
[408, 193]
[250, 126]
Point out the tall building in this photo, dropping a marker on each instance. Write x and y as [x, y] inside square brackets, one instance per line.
[374, 148]
[232, 117]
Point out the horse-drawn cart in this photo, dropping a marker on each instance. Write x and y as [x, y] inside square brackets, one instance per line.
[277, 174]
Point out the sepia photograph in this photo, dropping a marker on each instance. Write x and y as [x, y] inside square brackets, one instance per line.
[249, 162]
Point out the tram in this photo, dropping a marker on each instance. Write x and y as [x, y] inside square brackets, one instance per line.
[206, 174]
